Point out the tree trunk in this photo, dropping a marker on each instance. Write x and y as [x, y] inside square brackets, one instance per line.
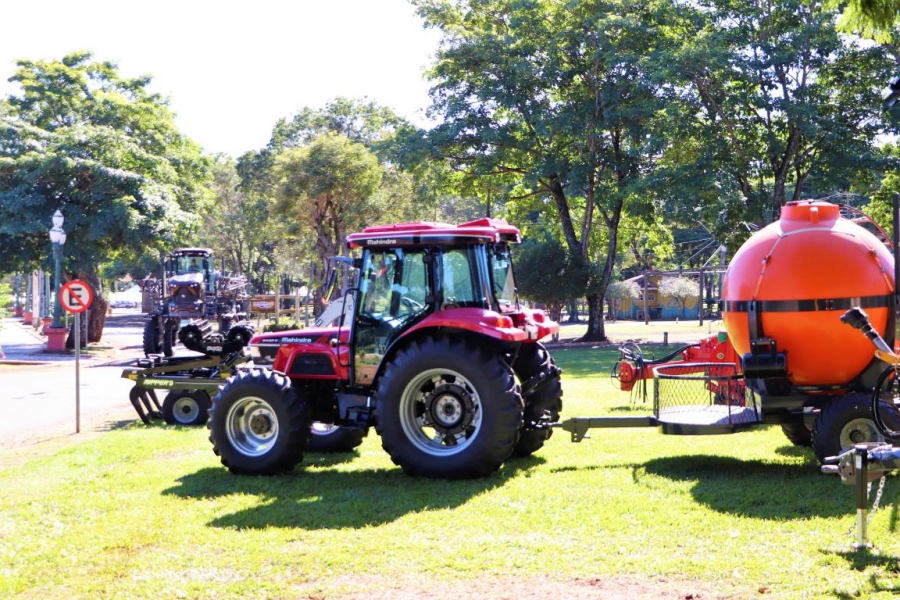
[596, 331]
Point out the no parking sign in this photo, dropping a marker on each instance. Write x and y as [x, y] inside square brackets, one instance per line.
[75, 296]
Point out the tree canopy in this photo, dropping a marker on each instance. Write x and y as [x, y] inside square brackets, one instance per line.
[106, 153]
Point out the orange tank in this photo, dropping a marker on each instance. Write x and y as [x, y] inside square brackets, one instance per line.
[795, 278]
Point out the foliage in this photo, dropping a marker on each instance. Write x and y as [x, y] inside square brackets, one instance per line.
[547, 273]
[871, 18]
[769, 104]
[551, 99]
[282, 324]
[328, 186]
[106, 153]
[679, 288]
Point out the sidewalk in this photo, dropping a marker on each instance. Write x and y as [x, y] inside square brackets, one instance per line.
[21, 344]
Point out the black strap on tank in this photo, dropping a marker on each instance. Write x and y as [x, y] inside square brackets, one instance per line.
[817, 305]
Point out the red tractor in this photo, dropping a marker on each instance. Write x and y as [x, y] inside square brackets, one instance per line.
[438, 356]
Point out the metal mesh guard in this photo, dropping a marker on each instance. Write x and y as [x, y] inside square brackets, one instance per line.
[703, 395]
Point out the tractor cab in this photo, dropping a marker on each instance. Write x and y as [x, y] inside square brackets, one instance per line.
[190, 282]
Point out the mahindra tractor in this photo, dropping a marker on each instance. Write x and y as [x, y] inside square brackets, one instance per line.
[192, 296]
[433, 350]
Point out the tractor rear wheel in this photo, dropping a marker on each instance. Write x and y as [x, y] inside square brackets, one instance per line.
[186, 407]
[151, 340]
[845, 421]
[534, 368]
[258, 425]
[448, 409]
[331, 438]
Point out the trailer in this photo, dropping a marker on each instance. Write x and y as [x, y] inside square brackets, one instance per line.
[191, 382]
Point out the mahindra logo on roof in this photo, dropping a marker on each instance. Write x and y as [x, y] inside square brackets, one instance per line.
[384, 242]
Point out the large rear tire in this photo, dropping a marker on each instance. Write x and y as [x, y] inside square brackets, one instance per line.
[845, 421]
[448, 409]
[534, 368]
[258, 425]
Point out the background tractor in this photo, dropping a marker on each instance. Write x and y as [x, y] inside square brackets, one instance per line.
[434, 351]
[191, 296]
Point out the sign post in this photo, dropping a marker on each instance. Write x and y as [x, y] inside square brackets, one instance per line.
[76, 296]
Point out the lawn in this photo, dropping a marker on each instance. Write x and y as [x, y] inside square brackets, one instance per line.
[148, 512]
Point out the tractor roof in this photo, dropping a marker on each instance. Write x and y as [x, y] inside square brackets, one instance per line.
[425, 233]
[191, 252]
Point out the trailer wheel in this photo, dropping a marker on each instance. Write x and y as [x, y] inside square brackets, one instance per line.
[845, 421]
[448, 409]
[258, 425]
[332, 438]
[797, 433]
[534, 366]
[186, 407]
[151, 337]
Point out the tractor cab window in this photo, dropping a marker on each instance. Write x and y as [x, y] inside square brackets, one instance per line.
[458, 280]
[504, 281]
[190, 264]
[392, 293]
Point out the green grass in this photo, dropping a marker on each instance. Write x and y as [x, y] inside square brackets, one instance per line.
[148, 512]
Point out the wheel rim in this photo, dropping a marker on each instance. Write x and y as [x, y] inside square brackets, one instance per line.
[186, 409]
[251, 426]
[440, 412]
[322, 429]
[859, 431]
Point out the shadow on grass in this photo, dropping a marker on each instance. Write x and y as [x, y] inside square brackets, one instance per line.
[759, 489]
[334, 499]
[885, 575]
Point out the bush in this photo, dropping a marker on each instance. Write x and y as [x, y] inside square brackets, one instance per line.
[282, 324]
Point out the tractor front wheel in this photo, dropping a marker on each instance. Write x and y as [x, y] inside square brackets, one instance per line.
[258, 425]
[845, 421]
[152, 343]
[537, 371]
[332, 438]
[448, 409]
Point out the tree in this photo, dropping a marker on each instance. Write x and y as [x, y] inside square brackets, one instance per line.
[555, 94]
[619, 291]
[680, 289]
[769, 105]
[328, 186]
[871, 18]
[547, 273]
[104, 151]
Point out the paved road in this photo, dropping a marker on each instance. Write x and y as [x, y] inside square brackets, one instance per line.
[38, 399]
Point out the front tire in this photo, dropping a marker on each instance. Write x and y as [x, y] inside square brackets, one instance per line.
[845, 421]
[331, 438]
[258, 425]
[152, 344]
[448, 409]
[534, 368]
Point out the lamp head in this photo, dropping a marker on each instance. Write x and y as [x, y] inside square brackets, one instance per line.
[58, 220]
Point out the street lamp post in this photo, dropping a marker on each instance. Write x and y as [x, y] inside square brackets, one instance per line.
[57, 240]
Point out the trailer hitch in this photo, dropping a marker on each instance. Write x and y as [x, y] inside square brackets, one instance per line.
[860, 466]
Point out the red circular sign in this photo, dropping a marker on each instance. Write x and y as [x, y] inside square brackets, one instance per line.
[75, 296]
